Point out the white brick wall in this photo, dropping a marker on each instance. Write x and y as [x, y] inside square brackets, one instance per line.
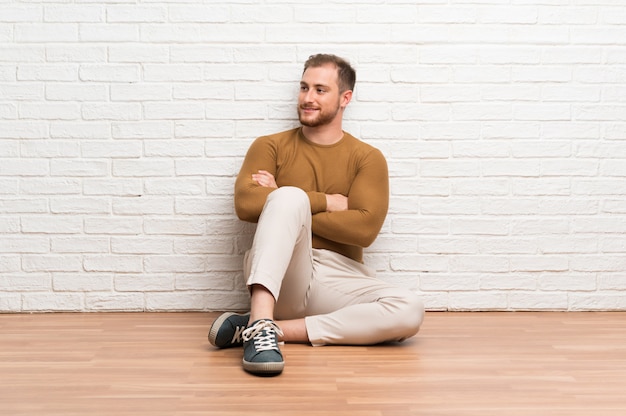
[123, 124]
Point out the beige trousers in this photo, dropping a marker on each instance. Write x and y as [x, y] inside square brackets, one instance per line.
[341, 300]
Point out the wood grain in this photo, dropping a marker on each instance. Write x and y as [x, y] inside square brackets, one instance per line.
[539, 363]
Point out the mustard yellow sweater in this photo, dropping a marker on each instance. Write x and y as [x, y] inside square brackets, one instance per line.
[349, 167]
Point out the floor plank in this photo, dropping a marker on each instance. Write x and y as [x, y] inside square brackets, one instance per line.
[532, 363]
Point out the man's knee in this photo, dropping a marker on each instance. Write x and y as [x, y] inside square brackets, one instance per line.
[412, 312]
[289, 199]
[289, 193]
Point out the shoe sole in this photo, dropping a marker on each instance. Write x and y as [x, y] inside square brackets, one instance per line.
[218, 324]
[264, 369]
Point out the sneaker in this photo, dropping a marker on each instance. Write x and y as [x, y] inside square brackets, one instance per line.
[261, 354]
[227, 329]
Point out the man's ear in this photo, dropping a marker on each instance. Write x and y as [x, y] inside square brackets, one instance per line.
[346, 97]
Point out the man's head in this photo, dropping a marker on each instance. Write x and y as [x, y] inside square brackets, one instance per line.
[325, 90]
[346, 75]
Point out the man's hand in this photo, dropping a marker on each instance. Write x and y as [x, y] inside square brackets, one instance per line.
[264, 178]
[336, 202]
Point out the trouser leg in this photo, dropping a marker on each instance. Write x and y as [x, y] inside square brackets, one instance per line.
[348, 305]
[280, 257]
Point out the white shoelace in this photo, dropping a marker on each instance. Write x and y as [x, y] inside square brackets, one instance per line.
[263, 341]
[238, 334]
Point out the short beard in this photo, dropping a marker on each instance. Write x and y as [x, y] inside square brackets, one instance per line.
[322, 118]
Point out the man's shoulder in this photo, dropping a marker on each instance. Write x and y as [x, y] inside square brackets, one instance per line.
[362, 147]
[276, 142]
[282, 135]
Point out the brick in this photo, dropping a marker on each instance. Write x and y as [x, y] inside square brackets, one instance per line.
[144, 283]
[477, 301]
[109, 73]
[51, 263]
[539, 263]
[198, 281]
[174, 111]
[115, 302]
[184, 148]
[62, 224]
[48, 302]
[174, 187]
[9, 263]
[8, 186]
[449, 283]
[143, 245]
[49, 111]
[174, 226]
[48, 149]
[76, 53]
[79, 244]
[121, 149]
[419, 263]
[80, 130]
[201, 53]
[479, 263]
[79, 168]
[80, 205]
[601, 301]
[82, 282]
[214, 14]
[143, 206]
[23, 205]
[447, 245]
[25, 282]
[472, 149]
[447, 14]
[518, 281]
[112, 187]
[22, 91]
[204, 245]
[533, 301]
[482, 186]
[46, 32]
[25, 244]
[109, 32]
[157, 129]
[10, 303]
[74, 13]
[117, 225]
[24, 167]
[135, 14]
[117, 111]
[143, 168]
[59, 92]
[112, 263]
[174, 264]
[143, 92]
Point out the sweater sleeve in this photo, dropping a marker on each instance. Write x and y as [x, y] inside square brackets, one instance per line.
[249, 195]
[368, 202]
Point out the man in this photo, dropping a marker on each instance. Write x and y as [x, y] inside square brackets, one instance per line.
[319, 195]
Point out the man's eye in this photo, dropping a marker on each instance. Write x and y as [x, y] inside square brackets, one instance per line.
[303, 88]
[320, 91]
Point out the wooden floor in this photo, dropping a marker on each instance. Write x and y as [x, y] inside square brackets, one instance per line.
[504, 364]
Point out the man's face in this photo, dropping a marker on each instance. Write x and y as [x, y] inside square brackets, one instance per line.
[319, 101]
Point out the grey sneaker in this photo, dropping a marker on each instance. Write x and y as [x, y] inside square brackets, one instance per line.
[227, 329]
[261, 354]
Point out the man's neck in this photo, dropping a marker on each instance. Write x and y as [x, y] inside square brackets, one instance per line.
[324, 135]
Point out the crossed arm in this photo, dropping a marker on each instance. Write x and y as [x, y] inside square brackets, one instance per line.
[334, 202]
